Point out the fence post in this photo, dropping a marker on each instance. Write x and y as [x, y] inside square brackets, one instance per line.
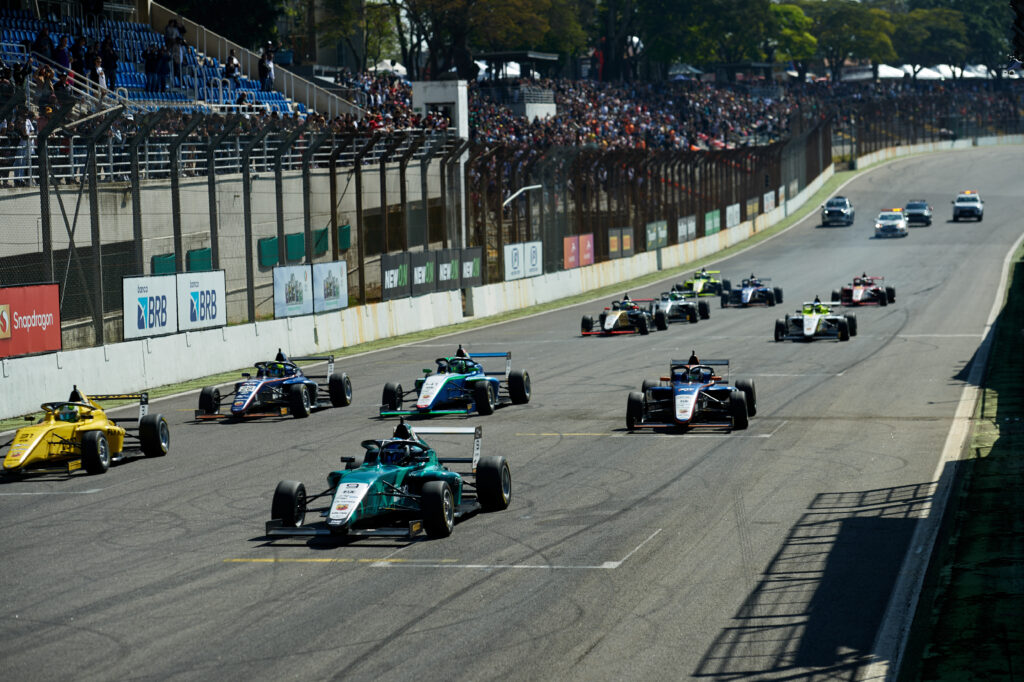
[94, 218]
[172, 151]
[142, 132]
[360, 246]
[389, 149]
[456, 151]
[403, 193]
[230, 123]
[250, 267]
[336, 151]
[278, 155]
[436, 140]
[315, 142]
[42, 140]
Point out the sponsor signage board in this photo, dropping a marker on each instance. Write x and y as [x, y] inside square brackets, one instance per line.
[154, 302]
[448, 269]
[712, 221]
[626, 248]
[732, 215]
[330, 286]
[686, 228]
[769, 201]
[570, 253]
[753, 205]
[472, 267]
[293, 290]
[423, 266]
[395, 281]
[29, 319]
[587, 249]
[514, 262]
[533, 259]
[201, 300]
[615, 242]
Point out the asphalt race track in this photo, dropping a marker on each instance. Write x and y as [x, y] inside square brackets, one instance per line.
[765, 554]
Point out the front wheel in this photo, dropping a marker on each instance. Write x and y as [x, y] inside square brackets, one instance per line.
[660, 320]
[209, 400]
[493, 483]
[298, 401]
[340, 389]
[883, 299]
[836, 296]
[634, 409]
[704, 309]
[725, 300]
[483, 397]
[95, 452]
[844, 330]
[770, 299]
[851, 320]
[890, 294]
[289, 504]
[154, 435]
[644, 326]
[438, 507]
[519, 386]
[586, 324]
[391, 398]
[780, 330]
[739, 410]
[778, 294]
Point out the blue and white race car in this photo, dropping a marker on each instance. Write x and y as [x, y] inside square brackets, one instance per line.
[754, 290]
[279, 388]
[459, 385]
[693, 395]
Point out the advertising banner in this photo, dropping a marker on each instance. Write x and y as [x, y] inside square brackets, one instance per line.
[587, 249]
[472, 267]
[394, 276]
[626, 248]
[293, 290]
[753, 205]
[447, 269]
[330, 286]
[514, 262]
[712, 222]
[29, 320]
[570, 253]
[732, 215]
[201, 300]
[533, 259]
[769, 201]
[615, 242]
[686, 228]
[154, 302]
[423, 265]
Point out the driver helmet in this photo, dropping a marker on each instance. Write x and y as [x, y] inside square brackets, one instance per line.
[68, 413]
[393, 453]
[275, 369]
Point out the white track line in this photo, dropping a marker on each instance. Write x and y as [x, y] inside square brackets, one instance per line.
[56, 492]
[891, 642]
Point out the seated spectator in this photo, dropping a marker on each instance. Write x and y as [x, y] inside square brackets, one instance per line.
[233, 69]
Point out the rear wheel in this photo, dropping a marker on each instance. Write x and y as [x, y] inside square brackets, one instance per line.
[704, 309]
[770, 298]
[298, 400]
[780, 330]
[844, 330]
[587, 324]
[289, 504]
[883, 299]
[493, 483]
[438, 507]
[483, 397]
[725, 300]
[643, 326]
[95, 452]
[738, 410]
[778, 294]
[750, 391]
[660, 320]
[648, 384]
[634, 409]
[890, 294]
[836, 296]
[519, 386]
[691, 315]
[726, 285]
[340, 389]
[851, 319]
[209, 400]
[154, 435]
[391, 398]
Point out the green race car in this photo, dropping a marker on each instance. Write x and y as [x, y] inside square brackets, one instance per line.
[401, 488]
[703, 283]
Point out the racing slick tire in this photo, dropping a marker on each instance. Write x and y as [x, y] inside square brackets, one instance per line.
[778, 294]
[644, 327]
[738, 410]
[726, 286]
[851, 319]
[836, 296]
[519, 386]
[634, 409]
[438, 507]
[154, 435]
[391, 399]
[692, 316]
[648, 384]
[749, 390]
[725, 300]
[587, 324]
[660, 320]
[844, 330]
[780, 330]
[298, 401]
[704, 309]
[493, 483]
[770, 299]
[209, 400]
[483, 397]
[883, 300]
[890, 294]
[339, 387]
[289, 504]
[95, 452]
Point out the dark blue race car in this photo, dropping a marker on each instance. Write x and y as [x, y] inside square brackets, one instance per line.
[692, 395]
[279, 388]
[754, 291]
[459, 385]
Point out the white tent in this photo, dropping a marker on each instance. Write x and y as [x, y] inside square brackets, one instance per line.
[389, 65]
[886, 71]
[925, 74]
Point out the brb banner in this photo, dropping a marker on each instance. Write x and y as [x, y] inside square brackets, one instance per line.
[29, 320]
[201, 297]
[153, 300]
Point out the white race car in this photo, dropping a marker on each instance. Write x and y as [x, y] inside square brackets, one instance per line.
[815, 320]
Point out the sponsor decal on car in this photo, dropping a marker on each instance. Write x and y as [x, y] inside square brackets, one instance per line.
[346, 499]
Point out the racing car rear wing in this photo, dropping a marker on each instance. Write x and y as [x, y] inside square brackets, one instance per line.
[329, 359]
[476, 431]
[684, 363]
[508, 361]
[143, 399]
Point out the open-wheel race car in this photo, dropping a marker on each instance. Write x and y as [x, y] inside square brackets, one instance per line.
[865, 290]
[459, 385]
[78, 434]
[628, 316]
[694, 394]
[753, 291]
[678, 308]
[279, 388]
[401, 487]
[703, 283]
[815, 320]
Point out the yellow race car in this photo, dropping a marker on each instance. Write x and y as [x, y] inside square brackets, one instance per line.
[78, 434]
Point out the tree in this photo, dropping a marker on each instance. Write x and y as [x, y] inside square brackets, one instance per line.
[846, 30]
[792, 40]
[932, 36]
[249, 23]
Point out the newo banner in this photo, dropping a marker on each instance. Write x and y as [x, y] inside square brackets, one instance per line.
[424, 272]
[394, 276]
[472, 267]
[533, 259]
[448, 269]
[330, 286]
[29, 320]
[154, 300]
[293, 290]
[201, 300]
[514, 262]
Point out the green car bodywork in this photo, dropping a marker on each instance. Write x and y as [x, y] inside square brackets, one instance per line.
[401, 488]
[703, 283]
